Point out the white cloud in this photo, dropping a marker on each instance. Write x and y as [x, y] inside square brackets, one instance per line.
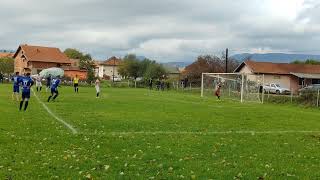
[163, 30]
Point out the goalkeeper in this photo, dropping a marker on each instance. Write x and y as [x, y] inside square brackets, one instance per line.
[218, 91]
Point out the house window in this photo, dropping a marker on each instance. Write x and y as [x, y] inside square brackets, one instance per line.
[276, 77]
[315, 81]
[301, 81]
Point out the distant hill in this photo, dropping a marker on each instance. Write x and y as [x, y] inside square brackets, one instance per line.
[276, 57]
[141, 58]
[7, 51]
[177, 64]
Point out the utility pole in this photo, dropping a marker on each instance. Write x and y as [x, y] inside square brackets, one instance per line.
[227, 54]
[114, 64]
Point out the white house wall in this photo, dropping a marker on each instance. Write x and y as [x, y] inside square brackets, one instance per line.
[108, 71]
[283, 80]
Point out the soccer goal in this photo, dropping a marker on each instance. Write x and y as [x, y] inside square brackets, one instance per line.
[235, 86]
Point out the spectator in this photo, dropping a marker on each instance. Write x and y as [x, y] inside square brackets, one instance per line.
[1, 77]
[185, 82]
[162, 85]
[150, 82]
[168, 85]
[158, 83]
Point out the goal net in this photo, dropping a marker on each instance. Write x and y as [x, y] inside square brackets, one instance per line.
[235, 86]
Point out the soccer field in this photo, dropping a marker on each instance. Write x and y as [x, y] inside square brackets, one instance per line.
[138, 134]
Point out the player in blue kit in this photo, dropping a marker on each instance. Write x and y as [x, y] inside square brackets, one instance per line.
[26, 82]
[16, 88]
[54, 88]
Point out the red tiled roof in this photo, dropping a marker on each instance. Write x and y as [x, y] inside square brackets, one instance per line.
[279, 68]
[43, 54]
[6, 55]
[113, 61]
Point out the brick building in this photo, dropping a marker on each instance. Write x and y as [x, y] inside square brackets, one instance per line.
[34, 59]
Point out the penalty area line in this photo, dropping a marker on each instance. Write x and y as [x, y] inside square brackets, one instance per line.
[207, 133]
[73, 130]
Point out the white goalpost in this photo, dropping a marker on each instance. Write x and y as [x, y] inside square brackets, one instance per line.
[235, 86]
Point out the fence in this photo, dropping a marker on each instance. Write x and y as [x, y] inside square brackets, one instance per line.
[309, 98]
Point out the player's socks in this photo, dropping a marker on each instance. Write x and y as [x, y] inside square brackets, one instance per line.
[21, 104]
[49, 98]
[26, 105]
[40, 89]
[55, 96]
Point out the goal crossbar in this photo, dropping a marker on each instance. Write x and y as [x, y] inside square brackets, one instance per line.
[244, 87]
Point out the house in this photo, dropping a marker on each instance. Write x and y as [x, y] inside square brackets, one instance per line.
[72, 72]
[75, 62]
[172, 71]
[291, 76]
[109, 68]
[74, 69]
[6, 55]
[33, 59]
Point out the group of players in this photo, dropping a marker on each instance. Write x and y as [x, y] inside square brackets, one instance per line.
[25, 82]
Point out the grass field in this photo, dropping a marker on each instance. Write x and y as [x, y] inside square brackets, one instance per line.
[137, 134]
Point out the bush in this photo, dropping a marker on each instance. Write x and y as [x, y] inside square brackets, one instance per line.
[306, 99]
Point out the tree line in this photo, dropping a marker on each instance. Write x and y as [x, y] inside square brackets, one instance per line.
[133, 68]
[209, 64]
[308, 61]
[6, 65]
[86, 62]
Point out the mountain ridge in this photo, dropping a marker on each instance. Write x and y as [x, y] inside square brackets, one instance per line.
[275, 57]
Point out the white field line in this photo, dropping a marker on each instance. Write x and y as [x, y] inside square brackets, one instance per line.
[202, 133]
[73, 130]
[197, 103]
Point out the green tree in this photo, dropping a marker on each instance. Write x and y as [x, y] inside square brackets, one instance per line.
[86, 62]
[297, 62]
[308, 61]
[144, 65]
[134, 68]
[155, 71]
[312, 61]
[6, 65]
[130, 67]
[73, 53]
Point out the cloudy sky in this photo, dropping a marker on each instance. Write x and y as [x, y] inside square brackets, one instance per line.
[165, 30]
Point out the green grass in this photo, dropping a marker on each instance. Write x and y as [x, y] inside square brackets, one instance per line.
[33, 145]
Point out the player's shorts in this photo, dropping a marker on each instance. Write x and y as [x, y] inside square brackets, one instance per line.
[25, 94]
[16, 89]
[54, 90]
[76, 85]
[48, 84]
[97, 88]
[38, 83]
